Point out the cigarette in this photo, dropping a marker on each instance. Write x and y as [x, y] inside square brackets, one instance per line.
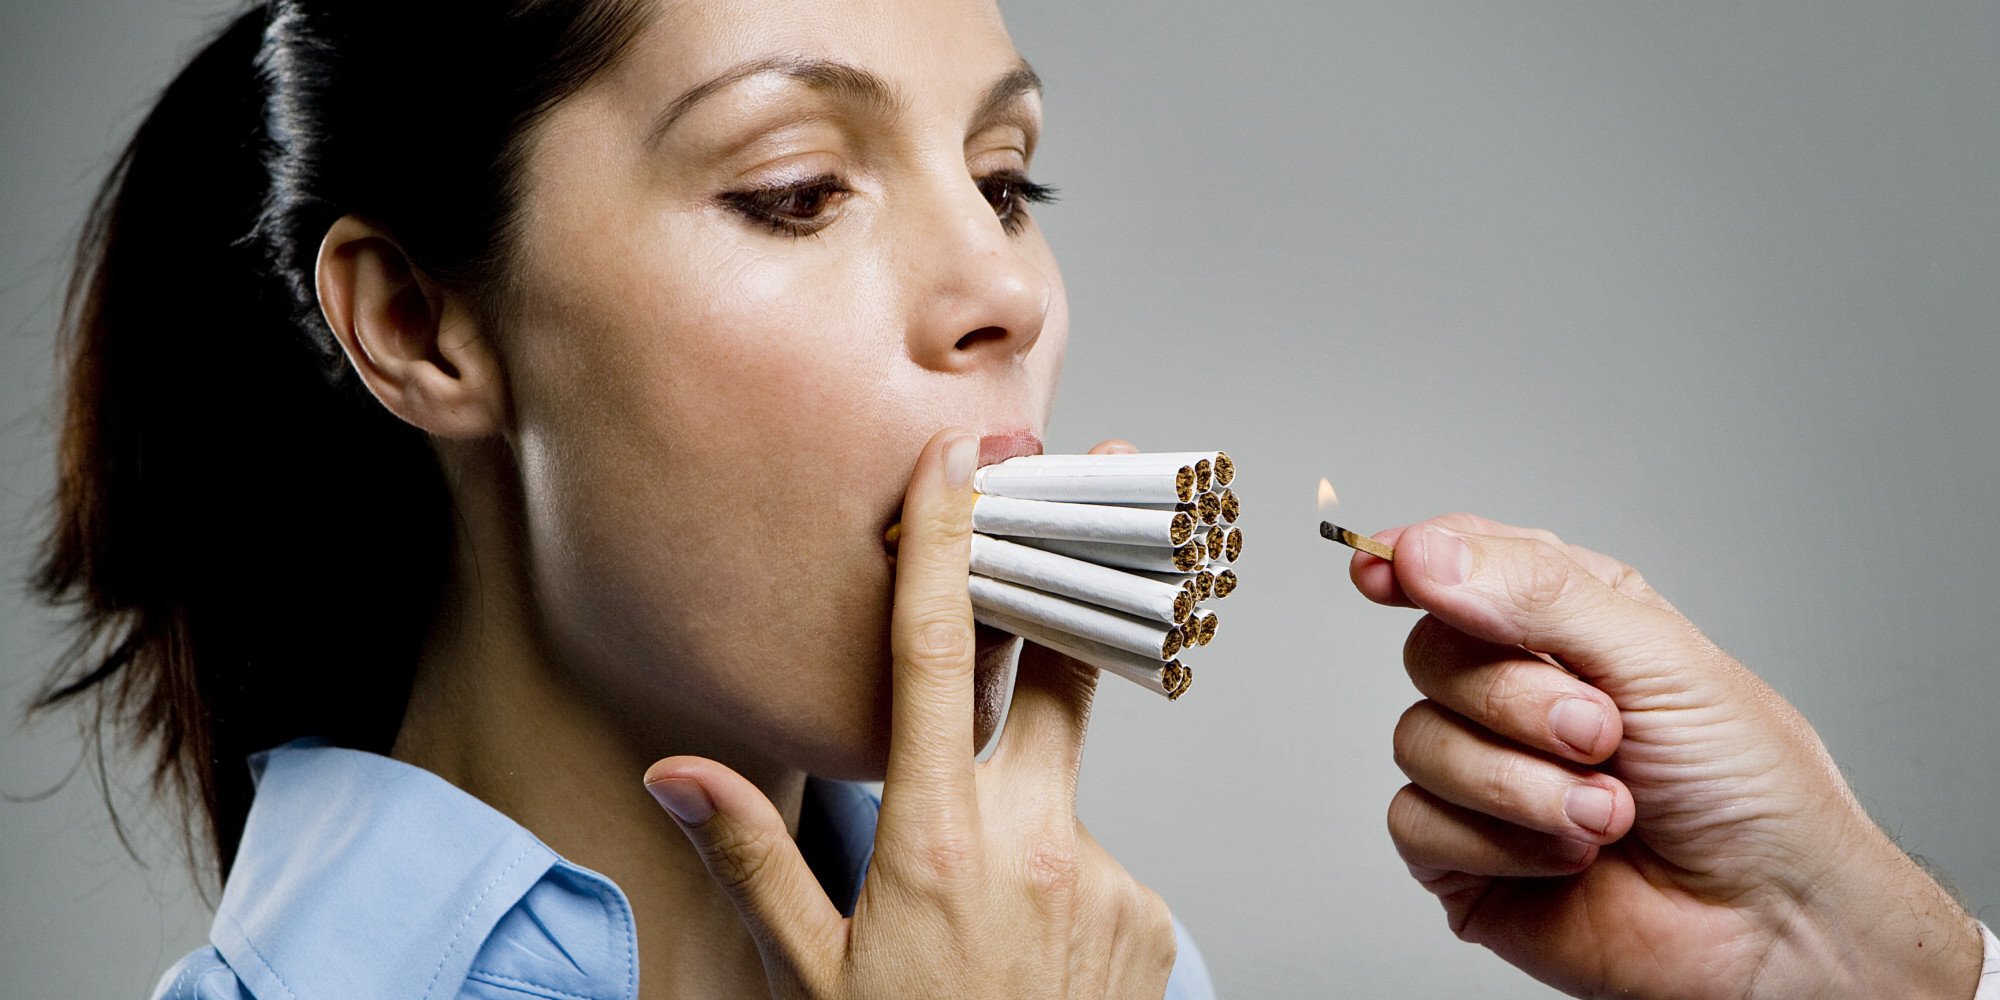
[1083, 522]
[1227, 508]
[1181, 559]
[1215, 540]
[1232, 549]
[1204, 584]
[1223, 471]
[1170, 678]
[1085, 621]
[1211, 508]
[1054, 573]
[1200, 629]
[1225, 583]
[1333, 532]
[1153, 481]
[1204, 475]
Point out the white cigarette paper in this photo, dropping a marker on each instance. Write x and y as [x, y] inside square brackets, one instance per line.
[1170, 678]
[1222, 469]
[1055, 573]
[1001, 515]
[1183, 559]
[1085, 621]
[1121, 483]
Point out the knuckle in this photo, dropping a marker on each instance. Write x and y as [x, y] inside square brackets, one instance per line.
[1542, 579]
[1501, 783]
[1408, 737]
[937, 639]
[948, 860]
[1406, 819]
[1053, 869]
[1430, 640]
[736, 858]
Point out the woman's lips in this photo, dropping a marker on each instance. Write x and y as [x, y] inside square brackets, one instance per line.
[992, 448]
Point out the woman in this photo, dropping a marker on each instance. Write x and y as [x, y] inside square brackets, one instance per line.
[635, 316]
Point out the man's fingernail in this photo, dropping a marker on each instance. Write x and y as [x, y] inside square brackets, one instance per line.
[1447, 559]
[684, 798]
[1577, 722]
[1589, 806]
[1121, 448]
[961, 456]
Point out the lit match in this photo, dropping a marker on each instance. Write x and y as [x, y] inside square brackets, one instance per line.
[1354, 540]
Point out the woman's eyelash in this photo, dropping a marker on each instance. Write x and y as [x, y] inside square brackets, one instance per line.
[794, 209]
[1010, 192]
[802, 209]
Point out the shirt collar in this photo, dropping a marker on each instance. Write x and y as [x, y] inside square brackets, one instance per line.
[362, 876]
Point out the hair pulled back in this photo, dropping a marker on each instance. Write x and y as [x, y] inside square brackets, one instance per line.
[255, 550]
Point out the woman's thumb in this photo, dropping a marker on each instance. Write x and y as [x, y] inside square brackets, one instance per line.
[744, 845]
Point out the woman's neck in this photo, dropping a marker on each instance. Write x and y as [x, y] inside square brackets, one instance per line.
[491, 712]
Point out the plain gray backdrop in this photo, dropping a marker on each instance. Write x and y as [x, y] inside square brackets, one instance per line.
[1711, 287]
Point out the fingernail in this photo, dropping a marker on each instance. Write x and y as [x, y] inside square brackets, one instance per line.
[1447, 559]
[1589, 806]
[1577, 722]
[1121, 448]
[961, 455]
[684, 798]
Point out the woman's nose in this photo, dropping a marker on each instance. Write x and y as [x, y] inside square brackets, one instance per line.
[982, 300]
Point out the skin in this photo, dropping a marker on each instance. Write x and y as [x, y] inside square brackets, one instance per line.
[673, 458]
[1607, 800]
[674, 453]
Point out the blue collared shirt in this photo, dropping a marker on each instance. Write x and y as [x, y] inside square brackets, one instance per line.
[362, 877]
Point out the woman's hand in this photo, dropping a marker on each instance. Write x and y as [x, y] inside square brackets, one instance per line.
[1607, 800]
[983, 883]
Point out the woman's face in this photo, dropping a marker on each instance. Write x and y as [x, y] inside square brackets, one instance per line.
[768, 254]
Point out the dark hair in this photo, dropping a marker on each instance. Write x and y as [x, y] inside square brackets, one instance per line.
[255, 549]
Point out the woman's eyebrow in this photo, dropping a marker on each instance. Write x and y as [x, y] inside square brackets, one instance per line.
[1004, 91]
[844, 79]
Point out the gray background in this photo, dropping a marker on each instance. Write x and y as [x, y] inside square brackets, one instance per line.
[1711, 287]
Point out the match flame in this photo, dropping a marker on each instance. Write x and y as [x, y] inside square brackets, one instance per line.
[1327, 499]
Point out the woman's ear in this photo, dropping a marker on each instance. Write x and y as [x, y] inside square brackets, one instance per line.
[417, 348]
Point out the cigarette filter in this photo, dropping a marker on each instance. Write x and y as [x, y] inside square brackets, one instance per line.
[1225, 583]
[1001, 515]
[1227, 507]
[1153, 482]
[1054, 573]
[1170, 678]
[1085, 621]
[1181, 559]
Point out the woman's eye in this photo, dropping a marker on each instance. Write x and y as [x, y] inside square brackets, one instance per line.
[1010, 192]
[795, 209]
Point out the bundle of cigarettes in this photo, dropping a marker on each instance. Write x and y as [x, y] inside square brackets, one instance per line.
[1108, 558]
